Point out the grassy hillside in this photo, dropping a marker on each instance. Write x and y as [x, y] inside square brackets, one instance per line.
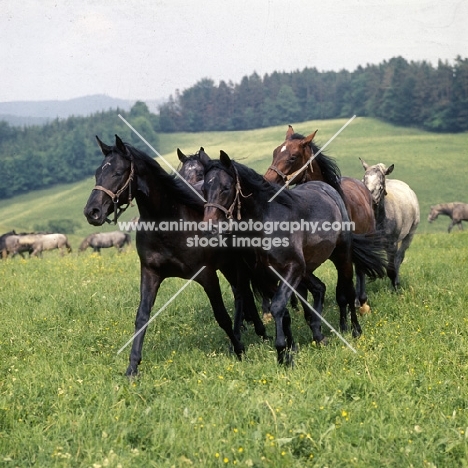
[432, 164]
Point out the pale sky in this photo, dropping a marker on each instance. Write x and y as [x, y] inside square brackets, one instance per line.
[147, 49]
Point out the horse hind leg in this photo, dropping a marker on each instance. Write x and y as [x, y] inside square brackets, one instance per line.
[313, 315]
[400, 256]
[361, 294]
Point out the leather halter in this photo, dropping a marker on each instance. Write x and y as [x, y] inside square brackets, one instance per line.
[236, 203]
[289, 177]
[118, 210]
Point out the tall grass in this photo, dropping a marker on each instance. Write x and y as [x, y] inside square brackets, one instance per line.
[399, 401]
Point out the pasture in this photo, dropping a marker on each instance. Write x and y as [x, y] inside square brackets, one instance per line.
[399, 401]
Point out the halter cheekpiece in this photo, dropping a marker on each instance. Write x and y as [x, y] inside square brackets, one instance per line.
[115, 196]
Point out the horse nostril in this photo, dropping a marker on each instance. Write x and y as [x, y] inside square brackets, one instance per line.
[95, 213]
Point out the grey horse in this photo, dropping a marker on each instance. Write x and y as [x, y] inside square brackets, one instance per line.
[457, 212]
[396, 211]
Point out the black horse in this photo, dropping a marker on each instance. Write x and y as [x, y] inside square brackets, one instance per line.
[230, 187]
[162, 197]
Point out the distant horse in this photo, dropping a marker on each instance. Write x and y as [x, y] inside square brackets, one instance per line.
[287, 166]
[3, 247]
[232, 187]
[457, 212]
[396, 211]
[50, 242]
[104, 240]
[163, 254]
[18, 244]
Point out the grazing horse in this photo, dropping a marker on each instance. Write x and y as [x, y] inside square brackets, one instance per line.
[3, 247]
[287, 166]
[104, 240]
[456, 211]
[163, 254]
[17, 244]
[396, 211]
[231, 187]
[50, 242]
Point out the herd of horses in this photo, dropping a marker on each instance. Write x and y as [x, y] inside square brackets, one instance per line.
[12, 244]
[385, 214]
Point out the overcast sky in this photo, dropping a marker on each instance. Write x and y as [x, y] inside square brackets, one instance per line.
[136, 49]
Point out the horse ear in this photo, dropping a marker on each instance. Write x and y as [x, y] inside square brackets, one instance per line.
[390, 169]
[105, 149]
[308, 139]
[225, 159]
[120, 145]
[364, 164]
[204, 158]
[290, 132]
[181, 156]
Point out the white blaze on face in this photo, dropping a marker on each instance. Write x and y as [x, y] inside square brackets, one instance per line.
[283, 148]
[105, 165]
[374, 184]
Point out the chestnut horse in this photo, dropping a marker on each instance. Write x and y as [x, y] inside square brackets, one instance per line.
[288, 160]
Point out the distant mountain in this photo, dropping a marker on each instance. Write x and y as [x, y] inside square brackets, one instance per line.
[19, 113]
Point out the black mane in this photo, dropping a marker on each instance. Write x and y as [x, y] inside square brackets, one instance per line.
[170, 184]
[254, 183]
[330, 170]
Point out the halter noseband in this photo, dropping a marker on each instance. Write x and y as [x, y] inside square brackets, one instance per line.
[115, 196]
[236, 203]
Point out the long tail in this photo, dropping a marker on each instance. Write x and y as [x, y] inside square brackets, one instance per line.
[369, 254]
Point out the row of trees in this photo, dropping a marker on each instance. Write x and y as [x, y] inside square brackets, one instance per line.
[397, 91]
[415, 93]
[64, 151]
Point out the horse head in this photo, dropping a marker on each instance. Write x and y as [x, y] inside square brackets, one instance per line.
[374, 179]
[290, 157]
[433, 214]
[193, 167]
[115, 183]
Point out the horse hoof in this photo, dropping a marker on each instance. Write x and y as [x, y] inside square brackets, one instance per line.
[357, 333]
[131, 372]
[322, 342]
[364, 309]
[267, 317]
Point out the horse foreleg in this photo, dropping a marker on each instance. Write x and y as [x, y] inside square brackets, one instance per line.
[150, 282]
[284, 339]
[210, 282]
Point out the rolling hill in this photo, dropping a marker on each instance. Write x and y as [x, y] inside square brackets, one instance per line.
[432, 164]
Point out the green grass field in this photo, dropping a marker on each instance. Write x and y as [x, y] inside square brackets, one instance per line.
[400, 401]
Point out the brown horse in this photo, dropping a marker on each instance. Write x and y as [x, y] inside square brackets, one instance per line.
[287, 167]
[456, 211]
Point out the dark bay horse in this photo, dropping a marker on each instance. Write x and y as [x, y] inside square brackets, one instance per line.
[396, 211]
[232, 187]
[163, 254]
[192, 169]
[104, 240]
[292, 155]
[456, 211]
